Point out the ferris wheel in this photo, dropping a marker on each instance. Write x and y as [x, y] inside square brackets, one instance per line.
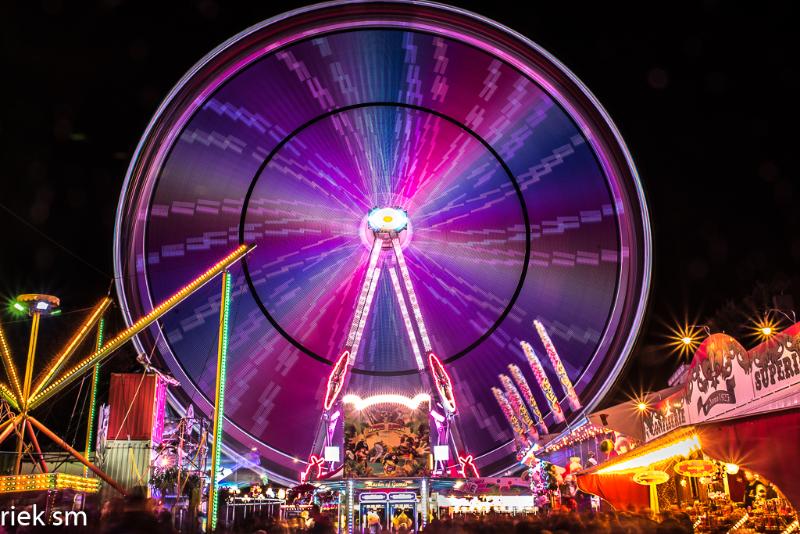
[418, 181]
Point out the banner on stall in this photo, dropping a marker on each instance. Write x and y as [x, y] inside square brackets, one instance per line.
[724, 376]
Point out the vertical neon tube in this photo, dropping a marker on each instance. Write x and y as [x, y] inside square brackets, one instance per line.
[93, 395]
[350, 515]
[544, 382]
[219, 408]
[514, 398]
[527, 394]
[555, 360]
[423, 496]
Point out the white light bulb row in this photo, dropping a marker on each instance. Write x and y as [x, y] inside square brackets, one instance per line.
[406, 319]
[363, 319]
[412, 403]
[365, 287]
[412, 297]
[739, 524]
[145, 321]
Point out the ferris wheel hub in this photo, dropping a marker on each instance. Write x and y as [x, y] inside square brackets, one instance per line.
[387, 219]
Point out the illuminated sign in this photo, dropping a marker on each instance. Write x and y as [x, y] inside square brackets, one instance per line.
[372, 497]
[403, 496]
[695, 468]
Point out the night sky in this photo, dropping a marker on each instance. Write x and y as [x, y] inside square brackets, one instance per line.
[704, 95]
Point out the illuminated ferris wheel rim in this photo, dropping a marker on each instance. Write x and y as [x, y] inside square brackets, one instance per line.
[186, 97]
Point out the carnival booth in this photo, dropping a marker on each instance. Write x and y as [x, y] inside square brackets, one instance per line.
[478, 496]
[721, 445]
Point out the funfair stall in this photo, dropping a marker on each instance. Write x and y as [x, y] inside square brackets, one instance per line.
[725, 438]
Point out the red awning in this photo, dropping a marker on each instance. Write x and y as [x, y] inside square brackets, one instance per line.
[766, 444]
[619, 490]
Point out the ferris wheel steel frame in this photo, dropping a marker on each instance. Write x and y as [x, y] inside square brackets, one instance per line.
[516, 46]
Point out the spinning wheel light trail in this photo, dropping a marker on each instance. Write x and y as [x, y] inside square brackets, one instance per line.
[509, 189]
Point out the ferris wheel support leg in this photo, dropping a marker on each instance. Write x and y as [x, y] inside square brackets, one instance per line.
[406, 319]
[340, 375]
[449, 428]
[412, 296]
[364, 303]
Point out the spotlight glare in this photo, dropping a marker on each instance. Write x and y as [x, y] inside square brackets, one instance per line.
[764, 328]
[684, 339]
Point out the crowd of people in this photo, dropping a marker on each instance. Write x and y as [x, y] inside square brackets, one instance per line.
[137, 514]
[669, 522]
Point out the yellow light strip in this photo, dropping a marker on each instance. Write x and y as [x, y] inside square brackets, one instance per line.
[683, 447]
[121, 338]
[8, 363]
[73, 344]
[48, 481]
[9, 396]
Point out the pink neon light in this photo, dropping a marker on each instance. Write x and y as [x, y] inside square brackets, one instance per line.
[468, 465]
[443, 383]
[313, 461]
[336, 380]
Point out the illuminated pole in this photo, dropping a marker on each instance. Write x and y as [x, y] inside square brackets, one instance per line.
[93, 395]
[558, 367]
[514, 398]
[11, 369]
[544, 382]
[26, 386]
[423, 495]
[219, 398]
[519, 378]
[505, 406]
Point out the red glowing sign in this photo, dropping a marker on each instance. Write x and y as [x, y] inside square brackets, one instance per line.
[468, 469]
[443, 383]
[336, 379]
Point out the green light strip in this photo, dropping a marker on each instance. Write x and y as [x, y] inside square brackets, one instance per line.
[93, 404]
[222, 357]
